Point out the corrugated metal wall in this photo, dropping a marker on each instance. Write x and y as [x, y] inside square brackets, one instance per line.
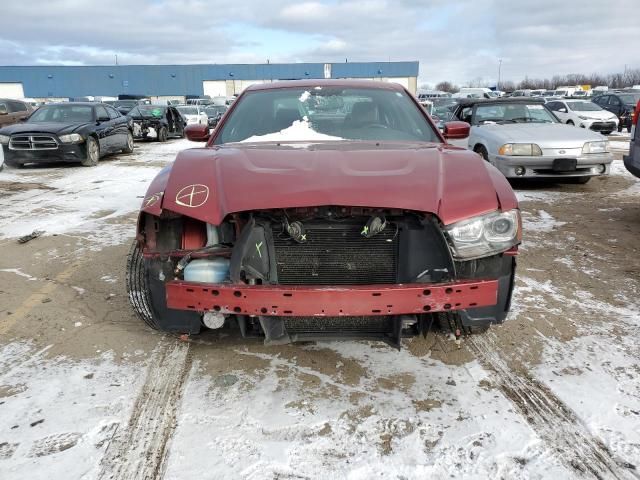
[77, 81]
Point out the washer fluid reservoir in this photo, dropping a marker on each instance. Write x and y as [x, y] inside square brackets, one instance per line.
[207, 270]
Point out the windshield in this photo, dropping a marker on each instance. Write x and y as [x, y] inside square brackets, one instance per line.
[188, 110]
[125, 103]
[630, 98]
[561, 93]
[512, 113]
[217, 110]
[584, 106]
[63, 114]
[147, 111]
[326, 114]
[443, 107]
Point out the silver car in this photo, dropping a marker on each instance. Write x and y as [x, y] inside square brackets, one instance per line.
[525, 140]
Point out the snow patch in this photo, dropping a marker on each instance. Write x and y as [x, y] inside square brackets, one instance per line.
[84, 202]
[58, 415]
[294, 420]
[19, 272]
[543, 222]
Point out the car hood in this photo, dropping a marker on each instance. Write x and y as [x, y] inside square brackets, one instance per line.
[546, 135]
[45, 127]
[599, 114]
[210, 183]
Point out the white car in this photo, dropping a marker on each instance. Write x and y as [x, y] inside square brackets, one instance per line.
[193, 114]
[585, 114]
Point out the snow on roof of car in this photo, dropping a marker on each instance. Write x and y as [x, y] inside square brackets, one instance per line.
[299, 131]
[326, 83]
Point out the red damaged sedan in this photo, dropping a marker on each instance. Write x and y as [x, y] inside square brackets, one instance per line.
[326, 209]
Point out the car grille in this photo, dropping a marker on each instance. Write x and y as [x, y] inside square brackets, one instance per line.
[33, 142]
[603, 126]
[337, 254]
[334, 325]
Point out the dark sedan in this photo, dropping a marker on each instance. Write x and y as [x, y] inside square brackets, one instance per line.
[67, 132]
[215, 113]
[125, 106]
[622, 104]
[157, 121]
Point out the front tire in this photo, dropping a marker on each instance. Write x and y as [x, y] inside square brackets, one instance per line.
[128, 148]
[570, 122]
[579, 180]
[13, 164]
[162, 135]
[147, 295]
[92, 154]
[138, 287]
[480, 150]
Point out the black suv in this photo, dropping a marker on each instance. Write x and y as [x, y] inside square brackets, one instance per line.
[622, 104]
[632, 161]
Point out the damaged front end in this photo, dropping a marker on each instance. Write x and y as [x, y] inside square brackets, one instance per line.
[322, 272]
[146, 128]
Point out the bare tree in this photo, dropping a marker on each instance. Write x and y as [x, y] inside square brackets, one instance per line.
[447, 87]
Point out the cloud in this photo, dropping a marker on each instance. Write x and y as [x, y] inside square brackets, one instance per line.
[459, 41]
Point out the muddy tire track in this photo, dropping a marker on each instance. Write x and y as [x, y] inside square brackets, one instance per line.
[139, 449]
[554, 422]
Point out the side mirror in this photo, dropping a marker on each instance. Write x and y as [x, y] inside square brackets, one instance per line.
[562, 110]
[103, 119]
[456, 130]
[197, 132]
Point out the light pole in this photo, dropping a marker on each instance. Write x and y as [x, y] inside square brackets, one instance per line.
[499, 69]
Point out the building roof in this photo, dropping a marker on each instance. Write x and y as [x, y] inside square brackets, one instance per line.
[112, 80]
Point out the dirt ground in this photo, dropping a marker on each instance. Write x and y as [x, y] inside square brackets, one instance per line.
[87, 391]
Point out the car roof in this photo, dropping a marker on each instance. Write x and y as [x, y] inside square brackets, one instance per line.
[88, 104]
[326, 83]
[469, 102]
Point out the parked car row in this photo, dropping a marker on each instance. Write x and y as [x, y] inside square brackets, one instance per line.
[85, 131]
[67, 132]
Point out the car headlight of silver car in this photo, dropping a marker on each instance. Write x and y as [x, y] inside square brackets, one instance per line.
[520, 149]
[596, 147]
[71, 138]
[484, 235]
[4, 139]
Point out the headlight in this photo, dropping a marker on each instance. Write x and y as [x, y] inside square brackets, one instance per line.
[484, 235]
[71, 138]
[583, 118]
[596, 147]
[4, 139]
[520, 149]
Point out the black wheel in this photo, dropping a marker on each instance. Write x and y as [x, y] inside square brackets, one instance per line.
[13, 164]
[147, 295]
[128, 148]
[162, 135]
[92, 153]
[478, 329]
[608, 132]
[450, 321]
[138, 287]
[480, 150]
[579, 180]
[570, 122]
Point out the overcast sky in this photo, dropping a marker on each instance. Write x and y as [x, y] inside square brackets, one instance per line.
[453, 40]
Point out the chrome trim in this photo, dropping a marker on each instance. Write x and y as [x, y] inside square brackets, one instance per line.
[33, 142]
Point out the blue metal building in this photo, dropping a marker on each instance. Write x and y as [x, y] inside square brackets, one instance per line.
[180, 80]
